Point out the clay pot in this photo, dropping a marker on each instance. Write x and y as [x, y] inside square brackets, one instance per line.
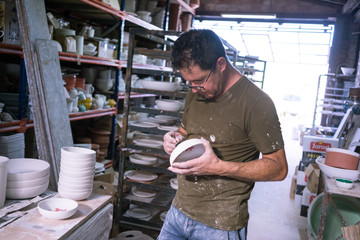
[70, 81]
[80, 83]
[342, 158]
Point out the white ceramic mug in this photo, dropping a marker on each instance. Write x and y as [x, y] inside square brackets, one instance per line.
[89, 88]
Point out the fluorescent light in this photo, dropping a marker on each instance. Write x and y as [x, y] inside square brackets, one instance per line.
[256, 16]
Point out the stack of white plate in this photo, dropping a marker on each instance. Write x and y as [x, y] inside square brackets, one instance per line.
[26, 178]
[12, 146]
[77, 169]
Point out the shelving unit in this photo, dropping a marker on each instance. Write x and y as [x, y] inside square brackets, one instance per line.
[331, 106]
[126, 147]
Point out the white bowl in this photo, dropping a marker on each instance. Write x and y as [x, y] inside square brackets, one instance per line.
[187, 150]
[333, 172]
[161, 86]
[23, 193]
[57, 208]
[77, 179]
[75, 164]
[344, 183]
[168, 105]
[104, 84]
[74, 195]
[75, 187]
[20, 169]
[347, 71]
[77, 173]
[66, 181]
[28, 183]
[78, 153]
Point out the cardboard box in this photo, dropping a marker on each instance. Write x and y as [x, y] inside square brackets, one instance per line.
[319, 144]
[312, 173]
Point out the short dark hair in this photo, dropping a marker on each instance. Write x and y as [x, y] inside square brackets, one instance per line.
[197, 47]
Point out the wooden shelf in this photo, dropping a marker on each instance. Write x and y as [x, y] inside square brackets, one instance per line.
[22, 125]
[72, 57]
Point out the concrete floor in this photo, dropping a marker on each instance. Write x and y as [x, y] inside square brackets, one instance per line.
[273, 215]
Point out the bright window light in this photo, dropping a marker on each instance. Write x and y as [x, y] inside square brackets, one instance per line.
[255, 16]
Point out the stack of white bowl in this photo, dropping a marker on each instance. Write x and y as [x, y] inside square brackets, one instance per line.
[77, 169]
[26, 178]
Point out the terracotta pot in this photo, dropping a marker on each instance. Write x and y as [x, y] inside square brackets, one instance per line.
[342, 158]
[80, 82]
[70, 81]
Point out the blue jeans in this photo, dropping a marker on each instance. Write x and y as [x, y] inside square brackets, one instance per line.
[177, 226]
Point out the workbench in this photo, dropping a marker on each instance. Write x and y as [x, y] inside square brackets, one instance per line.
[92, 220]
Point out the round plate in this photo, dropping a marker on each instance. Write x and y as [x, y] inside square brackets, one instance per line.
[168, 128]
[163, 216]
[144, 124]
[139, 213]
[142, 159]
[146, 193]
[187, 150]
[174, 183]
[148, 143]
[140, 175]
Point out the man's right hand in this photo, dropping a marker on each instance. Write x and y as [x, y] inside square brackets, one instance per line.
[170, 141]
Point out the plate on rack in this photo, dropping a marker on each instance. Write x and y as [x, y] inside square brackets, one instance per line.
[144, 142]
[163, 216]
[142, 159]
[140, 175]
[139, 213]
[168, 128]
[144, 124]
[145, 193]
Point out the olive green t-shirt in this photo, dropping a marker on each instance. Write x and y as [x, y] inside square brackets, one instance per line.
[239, 125]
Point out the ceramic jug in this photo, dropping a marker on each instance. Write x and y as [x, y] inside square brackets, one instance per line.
[99, 101]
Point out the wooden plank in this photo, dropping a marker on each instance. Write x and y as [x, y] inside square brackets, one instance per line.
[51, 119]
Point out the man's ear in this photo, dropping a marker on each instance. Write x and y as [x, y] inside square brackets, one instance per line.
[222, 63]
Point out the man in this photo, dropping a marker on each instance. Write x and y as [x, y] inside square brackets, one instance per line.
[236, 121]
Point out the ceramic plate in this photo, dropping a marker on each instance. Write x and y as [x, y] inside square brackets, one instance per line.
[186, 150]
[168, 128]
[148, 143]
[144, 124]
[140, 175]
[146, 193]
[174, 183]
[163, 216]
[139, 213]
[142, 159]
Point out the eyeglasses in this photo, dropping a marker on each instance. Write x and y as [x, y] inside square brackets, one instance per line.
[197, 88]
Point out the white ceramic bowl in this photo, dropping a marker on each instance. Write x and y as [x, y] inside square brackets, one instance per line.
[57, 208]
[77, 179]
[77, 173]
[28, 183]
[168, 105]
[161, 86]
[74, 195]
[78, 153]
[77, 164]
[27, 192]
[78, 184]
[347, 71]
[187, 150]
[75, 187]
[333, 172]
[104, 84]
[344, 183]
[21, 169]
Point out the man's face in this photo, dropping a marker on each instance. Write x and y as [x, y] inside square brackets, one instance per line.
[205, 82]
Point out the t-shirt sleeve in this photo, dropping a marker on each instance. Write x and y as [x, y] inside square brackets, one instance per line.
[264, 126]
